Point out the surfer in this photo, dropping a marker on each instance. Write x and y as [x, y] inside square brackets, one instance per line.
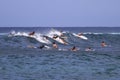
[80, 34]
[54, 45]
[88, 49]
[73, 48]
[103, 44]
[41, 47]
[45, 37]
[55, 36]
[31, 33]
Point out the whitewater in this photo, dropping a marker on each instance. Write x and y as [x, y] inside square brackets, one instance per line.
[21, 59]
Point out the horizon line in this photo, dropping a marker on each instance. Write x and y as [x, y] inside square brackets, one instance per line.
[60, 26]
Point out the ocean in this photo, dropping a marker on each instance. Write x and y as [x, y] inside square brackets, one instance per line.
[22, 59]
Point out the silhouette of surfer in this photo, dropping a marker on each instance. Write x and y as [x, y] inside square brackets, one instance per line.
[80, 34]
[32, 33]
[74, 48]
[88, 49]
[55, 36]
[41, 47]
[45, 37]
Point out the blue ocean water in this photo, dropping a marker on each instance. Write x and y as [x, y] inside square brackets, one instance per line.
[21, 59]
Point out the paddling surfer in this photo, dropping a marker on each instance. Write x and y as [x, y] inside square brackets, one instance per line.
[88, 49]
[80, 34]
[31, 33]
[103, 44]
[74, 48]
[41, 47]
[55, 45]
[63, 41]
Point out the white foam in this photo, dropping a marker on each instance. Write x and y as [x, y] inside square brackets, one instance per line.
[53, 32]
[36, 36]
[82, 37]
[115, 33]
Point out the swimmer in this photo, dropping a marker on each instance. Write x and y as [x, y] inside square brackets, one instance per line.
[54, 45]
[73, 48]
[88, 49]
[41, 47]
[32, 33]
[103, 44]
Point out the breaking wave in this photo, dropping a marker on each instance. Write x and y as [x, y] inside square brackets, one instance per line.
[65, 39]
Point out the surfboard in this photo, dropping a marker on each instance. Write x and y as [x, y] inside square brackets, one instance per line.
[81, 36]
[60, 40]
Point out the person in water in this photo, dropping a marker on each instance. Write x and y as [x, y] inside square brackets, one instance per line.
[41, 47]
[55, 36]
[80, 34]
[54, 45]
[32, 33]
[88, 49]
[45, 37]
[103, 44]
[74, 48]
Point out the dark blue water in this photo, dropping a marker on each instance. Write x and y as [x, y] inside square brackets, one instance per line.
[71, 29]
[20, 62]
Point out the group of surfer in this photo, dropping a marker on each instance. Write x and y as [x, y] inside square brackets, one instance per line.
[55, 46]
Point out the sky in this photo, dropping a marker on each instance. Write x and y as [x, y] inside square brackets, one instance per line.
[59, 13]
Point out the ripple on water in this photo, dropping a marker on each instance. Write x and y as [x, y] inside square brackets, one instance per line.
[59, 66]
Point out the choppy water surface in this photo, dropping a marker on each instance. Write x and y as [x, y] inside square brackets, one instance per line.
[25, 64]
[18, 62]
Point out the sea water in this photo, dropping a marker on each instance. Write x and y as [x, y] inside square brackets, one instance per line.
[20, 62]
